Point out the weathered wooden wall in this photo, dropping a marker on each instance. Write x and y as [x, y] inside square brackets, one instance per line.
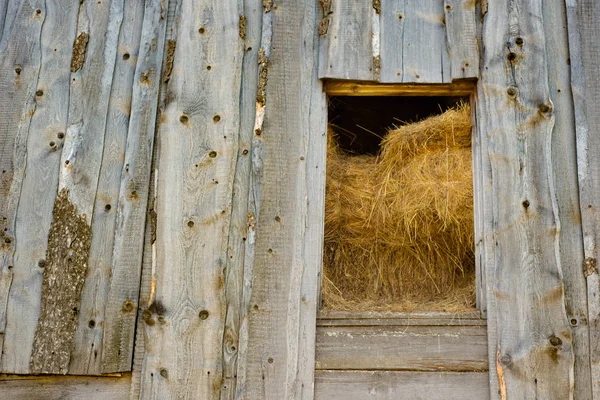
[209, 240]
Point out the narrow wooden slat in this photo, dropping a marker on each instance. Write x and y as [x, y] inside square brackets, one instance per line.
[198, 136]
[39, 166]
[413, 42]
[122, 302]
[350, 88]
[348, 46]
[420, 348]
[238, 230]
[564, 164]
[461, 38]
[65, 388]
[87, 355]
[584, 32]
[529, 332]
[403, 385]
[286, 222]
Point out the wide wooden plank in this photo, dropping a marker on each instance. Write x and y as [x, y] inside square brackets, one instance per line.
[400, 385]
[48, 93]
[198, 137]
[584, 32]
[87, 355]
[564, 164]
[409, 347]
[413, 42]
[461, 38]
[347, 48]
[285, 219]
[122, 302]
[529, 331]
[65, 388]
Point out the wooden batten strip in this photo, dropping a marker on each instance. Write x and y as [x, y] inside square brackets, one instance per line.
[356, 88]
[583, 31]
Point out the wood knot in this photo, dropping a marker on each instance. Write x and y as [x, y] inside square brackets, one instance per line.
[555, 340]
[203, 314]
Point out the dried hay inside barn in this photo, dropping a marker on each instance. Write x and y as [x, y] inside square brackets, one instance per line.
[399, 225]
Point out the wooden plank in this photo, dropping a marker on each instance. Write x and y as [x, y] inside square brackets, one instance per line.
[413, 42]
[198, 136]
[351, 88]
[419, 348]
[65, 388]
[122, 302]
[529, 331]
[348, 46]
[87, 355]
[286, 221]
[583, 32]
[36, 158]
[564, 163]
[238, 231]
[400, 385]
[461, 38]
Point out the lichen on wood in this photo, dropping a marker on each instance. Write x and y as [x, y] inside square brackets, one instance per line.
[65, 270]
[171, 45]
[79, 48]
[326, 9]
[267, 5]
[263, 62]
[242, 27]
[377, 67]
[377, 6]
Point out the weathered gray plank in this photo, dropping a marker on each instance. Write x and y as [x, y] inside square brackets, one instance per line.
[286, 220]
[413, 42]
[348, 45]
[238, 230]
[93, 65]
[65, 388]
[148, 278]
[403, 385]
[564, 164]
[461, 38]
[87, 354]
[419, 348]
[122, 302]
[198, 136]
[39, 171]
[584, 32]
[530, 332]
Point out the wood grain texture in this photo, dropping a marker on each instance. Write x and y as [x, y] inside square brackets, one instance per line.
[87, 354]
[530, 332]
[564, 164]
[418, 348]
[198, 136]
[583, 32]
[413, 42]
[41, 92]
[347, 49]
[353, 88]
[65, 387]
[122, 302]
[400, 385]
[238, 230]
[461, 38]
[286, 223]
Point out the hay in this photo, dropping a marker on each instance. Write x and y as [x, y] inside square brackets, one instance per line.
[399, 225]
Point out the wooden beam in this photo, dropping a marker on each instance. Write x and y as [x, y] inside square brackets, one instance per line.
[531, 344]
[352, 88]
[584, 35]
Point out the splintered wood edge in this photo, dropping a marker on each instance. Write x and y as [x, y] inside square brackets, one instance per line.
[356, 88]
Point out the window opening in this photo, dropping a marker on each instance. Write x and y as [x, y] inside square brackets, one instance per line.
[399, 230]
